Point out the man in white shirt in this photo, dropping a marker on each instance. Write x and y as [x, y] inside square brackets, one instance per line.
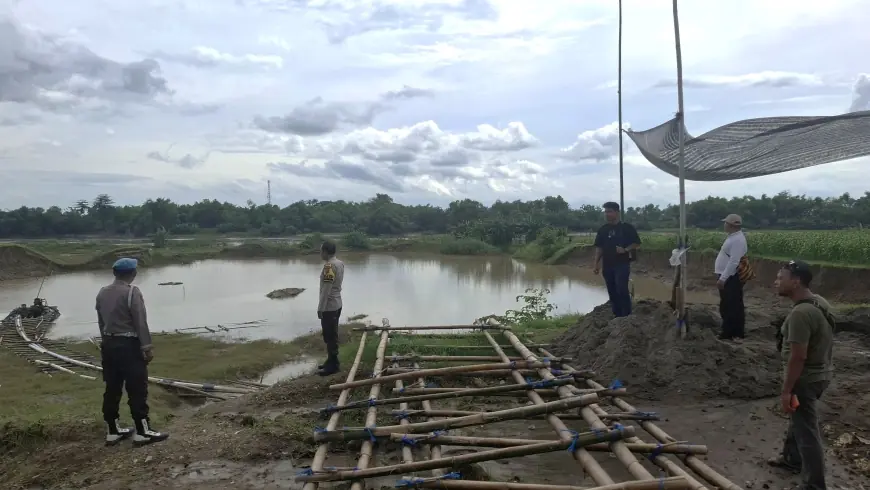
[730, 286]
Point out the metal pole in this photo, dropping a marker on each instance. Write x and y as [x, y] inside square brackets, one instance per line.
[619, 97]
[682, 170]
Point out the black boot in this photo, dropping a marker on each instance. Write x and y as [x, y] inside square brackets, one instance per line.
[115, 434]
[146, 435]
[330, 367]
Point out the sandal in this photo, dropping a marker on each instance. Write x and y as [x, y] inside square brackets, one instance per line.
[780, 462]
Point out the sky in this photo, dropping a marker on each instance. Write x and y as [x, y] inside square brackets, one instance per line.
[428, 101]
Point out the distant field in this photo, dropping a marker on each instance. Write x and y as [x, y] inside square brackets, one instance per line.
[841, 247]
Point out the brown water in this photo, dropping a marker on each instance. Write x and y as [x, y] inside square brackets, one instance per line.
[406, 289]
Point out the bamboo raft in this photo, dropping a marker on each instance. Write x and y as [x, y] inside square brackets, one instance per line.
[26, 339]
[557, 393]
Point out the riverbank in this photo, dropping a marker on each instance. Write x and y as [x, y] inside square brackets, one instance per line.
[37, 258]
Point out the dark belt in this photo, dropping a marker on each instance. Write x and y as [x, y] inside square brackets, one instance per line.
[129, 335]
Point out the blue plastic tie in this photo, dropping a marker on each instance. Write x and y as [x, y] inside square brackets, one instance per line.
[615, 384]
[330, 408]
[619, 427]
[413, 482]
[556, 372]
[402, 389]
[656, 452]
[574, 436]
[318, 430]
[371, 434]
[373, 402]
[306, 472]
[546, 361]
[646, 414]
[430, 385]
[513, 365]
[408, 441]
[401, 415]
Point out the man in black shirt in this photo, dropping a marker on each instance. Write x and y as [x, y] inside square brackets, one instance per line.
[615, 246]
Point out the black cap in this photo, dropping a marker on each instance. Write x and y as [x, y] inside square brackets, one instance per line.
[611, 205]
[799, 269]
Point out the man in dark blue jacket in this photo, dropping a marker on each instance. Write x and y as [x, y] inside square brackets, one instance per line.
[615, 247]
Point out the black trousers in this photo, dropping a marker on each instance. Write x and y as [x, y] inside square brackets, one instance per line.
[731, 308]
[803, 447]
[124, 366]
[329, 327]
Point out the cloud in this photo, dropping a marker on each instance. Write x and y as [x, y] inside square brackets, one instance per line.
[767, 79]
[205, 57]
[188, 161]
[318, 117]
[57, 74]
[861, 93]
[595, 145]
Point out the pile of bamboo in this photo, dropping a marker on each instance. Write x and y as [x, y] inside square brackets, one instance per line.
[557, 393]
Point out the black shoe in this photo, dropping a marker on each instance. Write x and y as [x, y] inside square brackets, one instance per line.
[146, 435]
[329, 367]
[115, 434]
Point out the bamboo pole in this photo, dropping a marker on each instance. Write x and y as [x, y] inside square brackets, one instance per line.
[349, 434]
[506, 442]
[507, 389]
[474, 347]
[677, 483]
[440, 372]
[320, 454]
[581, 439]
[375, 328]
[625, 456]
[684, 239]
[589, 464]
[619, 110]
[367, 448]
[407, 452]
[414, 357]
[692, 462]
[492, 373]
[63, 369]
[434, 450]
[462, 413]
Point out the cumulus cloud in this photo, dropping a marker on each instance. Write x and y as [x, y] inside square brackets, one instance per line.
[595, 145]
[861, 93]
[768, 79]
[206, 57]
[421, 156]
[319, 117]
[57, 74]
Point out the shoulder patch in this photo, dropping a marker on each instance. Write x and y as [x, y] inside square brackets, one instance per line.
[328, 273]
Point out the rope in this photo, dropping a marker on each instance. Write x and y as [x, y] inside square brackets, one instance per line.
[574, 436]
[415, 482]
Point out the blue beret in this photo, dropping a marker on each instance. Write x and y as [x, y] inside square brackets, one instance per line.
[125, 264]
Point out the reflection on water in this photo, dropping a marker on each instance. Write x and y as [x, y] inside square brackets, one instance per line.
[407, 289]
[289, 370]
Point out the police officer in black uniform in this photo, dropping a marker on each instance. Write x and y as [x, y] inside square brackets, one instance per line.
[126, 351]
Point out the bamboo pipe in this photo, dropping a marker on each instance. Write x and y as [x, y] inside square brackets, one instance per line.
[368, 446]
[492, 373]
[370, 328]
[320, 453]
[474, 347]
[440, 372]
[420, 358]
[622, 453]
[349, 434]
[677, 483]
[63, 369]
[434, 450]
[462, 413]
[581, 439]
[661, 461]
[587, 462]
[506, 442]
[407, 453]
[506, 390]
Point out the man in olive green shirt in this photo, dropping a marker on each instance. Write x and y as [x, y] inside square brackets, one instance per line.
[807, 350]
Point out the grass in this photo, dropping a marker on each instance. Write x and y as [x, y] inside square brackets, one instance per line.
[839, 248]
[38, 408]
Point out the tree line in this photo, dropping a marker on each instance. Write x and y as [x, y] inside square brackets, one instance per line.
[380, 215]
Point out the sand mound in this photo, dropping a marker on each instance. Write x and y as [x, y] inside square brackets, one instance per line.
[644, 351]
[17, 261]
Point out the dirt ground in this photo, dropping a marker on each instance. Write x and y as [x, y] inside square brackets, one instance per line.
[720, 394]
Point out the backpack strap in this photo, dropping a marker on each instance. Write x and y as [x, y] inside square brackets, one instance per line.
[831, 321]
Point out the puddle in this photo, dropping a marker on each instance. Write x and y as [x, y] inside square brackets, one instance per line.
[289, 370]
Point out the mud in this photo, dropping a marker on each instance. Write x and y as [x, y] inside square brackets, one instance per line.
[839, 284]
[645, 353]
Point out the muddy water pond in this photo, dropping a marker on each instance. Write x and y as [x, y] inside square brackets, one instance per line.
[407, 289]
